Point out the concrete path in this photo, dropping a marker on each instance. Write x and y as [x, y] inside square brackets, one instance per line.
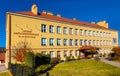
[117, 64]
[2, 68]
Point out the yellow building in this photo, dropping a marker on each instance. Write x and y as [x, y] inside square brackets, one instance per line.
[55, 35]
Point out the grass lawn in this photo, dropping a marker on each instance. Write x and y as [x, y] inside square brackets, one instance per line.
[84, 68]
[4, 74]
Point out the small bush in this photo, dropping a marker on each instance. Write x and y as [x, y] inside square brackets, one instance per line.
[78, 58]
[73, 58]
[67, 59]
[29, 59]
[22, 70]
[55, 60]
[43, 68]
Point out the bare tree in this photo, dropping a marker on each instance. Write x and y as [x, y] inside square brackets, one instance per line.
[19, 51]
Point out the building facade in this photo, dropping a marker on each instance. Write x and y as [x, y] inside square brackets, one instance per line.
[55, 35]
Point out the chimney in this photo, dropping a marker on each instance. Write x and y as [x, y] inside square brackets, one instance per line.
[44, 12]
[58, 15]
[93, 22]
[50, 13]
[74, 18]
[34, 9]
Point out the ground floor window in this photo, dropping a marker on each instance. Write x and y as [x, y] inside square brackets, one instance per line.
[77, 52]
[44, 52]
[52, 54]
[65, 53]
[59, 54]
[71, 52]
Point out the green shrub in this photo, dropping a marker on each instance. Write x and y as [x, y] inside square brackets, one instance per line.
[22, 70]
[29, 59]
[55, 60]
[67, 59]
[73, 58]
[78, 57]
[41, 59]
[43, 68]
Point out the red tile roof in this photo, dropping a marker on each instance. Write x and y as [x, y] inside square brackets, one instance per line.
[47, 16]
[2, 56]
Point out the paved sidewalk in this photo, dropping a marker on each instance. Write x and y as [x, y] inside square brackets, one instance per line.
[117, 64]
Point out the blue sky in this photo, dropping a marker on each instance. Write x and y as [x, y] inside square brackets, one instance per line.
[83, 10]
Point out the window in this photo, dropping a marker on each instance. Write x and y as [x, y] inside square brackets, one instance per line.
[81, 32]
[76, 42]
[94, 33]
[76, 52]
[43, 42]
[90, 33]
[85, 42]
[81, 42]
[51, 42]
[71, 42]
[52, 54]
[94, 42]
[86, 33]
[65, 53]
[97, 33]
[43, 28]
[59, 54]
[90, 42]
[58, 42]
[65, 42]
[76, 31]
[71, 53]
[104, 34]
[71, 30]
[114, 40]
[65, 31]
[44, 52]
[51, 28]
[101, 34]
[98, 42]
[101, 42]
[58, 29]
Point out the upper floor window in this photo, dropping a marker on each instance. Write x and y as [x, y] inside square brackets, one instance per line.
[65, 31]
[89, 33]
[65, 42]
[51, 42]
[114, 40]
[85, 42]
[97, 33]
[51, 28]
[94, 33]
[76, 42]
[58, 29]
[71, 42]
[76, 31]
[86, 33]
[81, 42]
[90, 42]
[43, 28]
[43, 41]
[101, 34]
[81, 32]
[58, 42]
[71, 30]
